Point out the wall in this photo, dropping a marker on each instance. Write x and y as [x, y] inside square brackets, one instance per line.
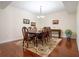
[78, 25]
[66, 21]
[11, 22]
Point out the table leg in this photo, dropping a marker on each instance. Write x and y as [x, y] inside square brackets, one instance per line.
[36, 42]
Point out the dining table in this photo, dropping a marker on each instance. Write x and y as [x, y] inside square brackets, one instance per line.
[37, 35]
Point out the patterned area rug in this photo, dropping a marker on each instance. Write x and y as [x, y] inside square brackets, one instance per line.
[44, 50]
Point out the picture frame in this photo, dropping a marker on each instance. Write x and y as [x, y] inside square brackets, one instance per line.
[26, 21]
[33, 23]
[55, 21]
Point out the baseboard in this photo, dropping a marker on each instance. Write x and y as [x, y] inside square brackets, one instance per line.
[21, 38]
[9, 41]
[66, 38]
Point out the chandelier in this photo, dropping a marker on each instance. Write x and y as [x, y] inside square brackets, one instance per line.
[40, 16]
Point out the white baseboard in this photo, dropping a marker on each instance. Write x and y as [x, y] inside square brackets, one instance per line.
[9, 40]
[71, 37]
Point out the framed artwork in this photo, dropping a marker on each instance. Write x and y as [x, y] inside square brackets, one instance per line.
[33, 23]
[26, 21]
[55, 21]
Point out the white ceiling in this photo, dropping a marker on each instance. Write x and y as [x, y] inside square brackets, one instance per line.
[4, 4]
[47, 6]
[34, 6]
[70, 6]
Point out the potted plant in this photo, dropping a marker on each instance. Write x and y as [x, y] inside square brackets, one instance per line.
[68, 33]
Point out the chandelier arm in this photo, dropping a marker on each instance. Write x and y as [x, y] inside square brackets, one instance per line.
[40, 16]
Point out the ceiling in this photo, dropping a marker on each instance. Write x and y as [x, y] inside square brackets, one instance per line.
[4, 4]
[34, 6]
[70, 6]
[47, 6]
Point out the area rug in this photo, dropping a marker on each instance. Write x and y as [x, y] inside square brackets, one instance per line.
[41, 50]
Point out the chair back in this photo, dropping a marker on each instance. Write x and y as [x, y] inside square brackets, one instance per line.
[25, 33]
[34, 29]
[45, 32]
[29, 29]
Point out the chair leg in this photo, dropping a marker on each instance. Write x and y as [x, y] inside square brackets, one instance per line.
[34, 41]
[23, 42]
[27, 44]
[45, 40]
[42, 42]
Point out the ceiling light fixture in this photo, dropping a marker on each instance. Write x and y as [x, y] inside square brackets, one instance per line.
[40, 16]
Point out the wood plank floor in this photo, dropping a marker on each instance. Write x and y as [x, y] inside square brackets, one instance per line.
[64, 49]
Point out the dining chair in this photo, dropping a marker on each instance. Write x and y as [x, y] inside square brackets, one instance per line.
[45, 34]
[26, 37]
[40, 37]
[49, 33]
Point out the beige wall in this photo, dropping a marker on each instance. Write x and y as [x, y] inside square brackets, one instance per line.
[66, 21]
[11, 22]
[78, 25]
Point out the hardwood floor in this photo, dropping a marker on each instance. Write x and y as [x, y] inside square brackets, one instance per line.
[66, 48]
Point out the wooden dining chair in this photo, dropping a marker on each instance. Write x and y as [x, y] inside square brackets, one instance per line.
[40, 37]
[49, 33]
[45, 35]
[26, 37]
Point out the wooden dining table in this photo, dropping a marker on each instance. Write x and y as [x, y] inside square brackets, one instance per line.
[36, 34]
